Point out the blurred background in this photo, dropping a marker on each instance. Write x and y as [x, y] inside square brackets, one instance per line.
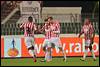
[71, 15]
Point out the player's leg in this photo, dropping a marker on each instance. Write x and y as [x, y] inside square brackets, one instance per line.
[92, 52]
[32, 53]
[63, 52]
[61, 49]
[34, 50]
[46, 54]
[85, 53]
[46, 49]
[86, 50]
[30, 47]
[49, 56]
[56, 41]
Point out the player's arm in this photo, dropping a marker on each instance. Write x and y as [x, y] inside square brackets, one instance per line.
[22, 26]
[57, 31]
[42, 29]
[45, 28]
[34, 27]
[92, 39]
[81, 32]
[93, 34]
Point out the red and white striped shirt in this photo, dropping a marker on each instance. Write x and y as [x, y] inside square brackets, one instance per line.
[47, 30]
[29, 28]
[88, 30]
[55, 27]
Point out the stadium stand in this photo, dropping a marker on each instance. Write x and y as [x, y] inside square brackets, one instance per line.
[7, 8]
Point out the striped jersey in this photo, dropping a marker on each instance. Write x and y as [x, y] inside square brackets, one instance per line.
[29, 28]
[55, 29]
[47, 30]
[88, 30]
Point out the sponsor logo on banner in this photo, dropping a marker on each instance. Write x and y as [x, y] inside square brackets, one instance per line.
[12, 47]
[73, 47]
[13, 51]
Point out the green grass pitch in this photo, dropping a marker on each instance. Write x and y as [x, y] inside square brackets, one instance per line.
[71, 61]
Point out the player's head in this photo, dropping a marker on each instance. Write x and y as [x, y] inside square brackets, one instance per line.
[45, 20]
[87, 21]
[30, 19]
[50, 19]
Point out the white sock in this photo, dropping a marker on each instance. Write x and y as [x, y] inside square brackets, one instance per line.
[92, 52]
[64, 53]
[46, 55]
[31, 52]
[50, 54]
[85, 53]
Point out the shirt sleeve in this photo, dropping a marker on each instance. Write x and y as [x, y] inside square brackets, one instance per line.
[91, 29]
[82, 29]
[22, 25]
[35, 27]
[57, 28]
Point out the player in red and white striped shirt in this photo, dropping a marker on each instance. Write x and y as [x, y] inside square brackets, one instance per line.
[89, 34]
[46, 43]
[47, 30]
[29, 28]
[55, 32]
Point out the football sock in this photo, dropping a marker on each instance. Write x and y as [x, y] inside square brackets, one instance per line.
[64, 54]
[85, 53]
[32, 53]
[92, 52]
[46, 55]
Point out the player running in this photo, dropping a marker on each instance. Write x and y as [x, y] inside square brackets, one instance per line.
[55, 39]
[29, 28]
[89, 33]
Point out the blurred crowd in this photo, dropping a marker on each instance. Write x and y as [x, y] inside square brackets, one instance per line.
[11, 4]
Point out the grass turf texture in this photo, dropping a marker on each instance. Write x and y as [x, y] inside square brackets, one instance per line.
[71, 61]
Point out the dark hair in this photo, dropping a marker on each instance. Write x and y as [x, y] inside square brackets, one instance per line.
[50, 18]
[46, 20]
[30, 19]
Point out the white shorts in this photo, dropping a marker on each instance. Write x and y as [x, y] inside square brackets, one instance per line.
[87, 42]
[46, 43]
[55, 42]
[29, 41]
